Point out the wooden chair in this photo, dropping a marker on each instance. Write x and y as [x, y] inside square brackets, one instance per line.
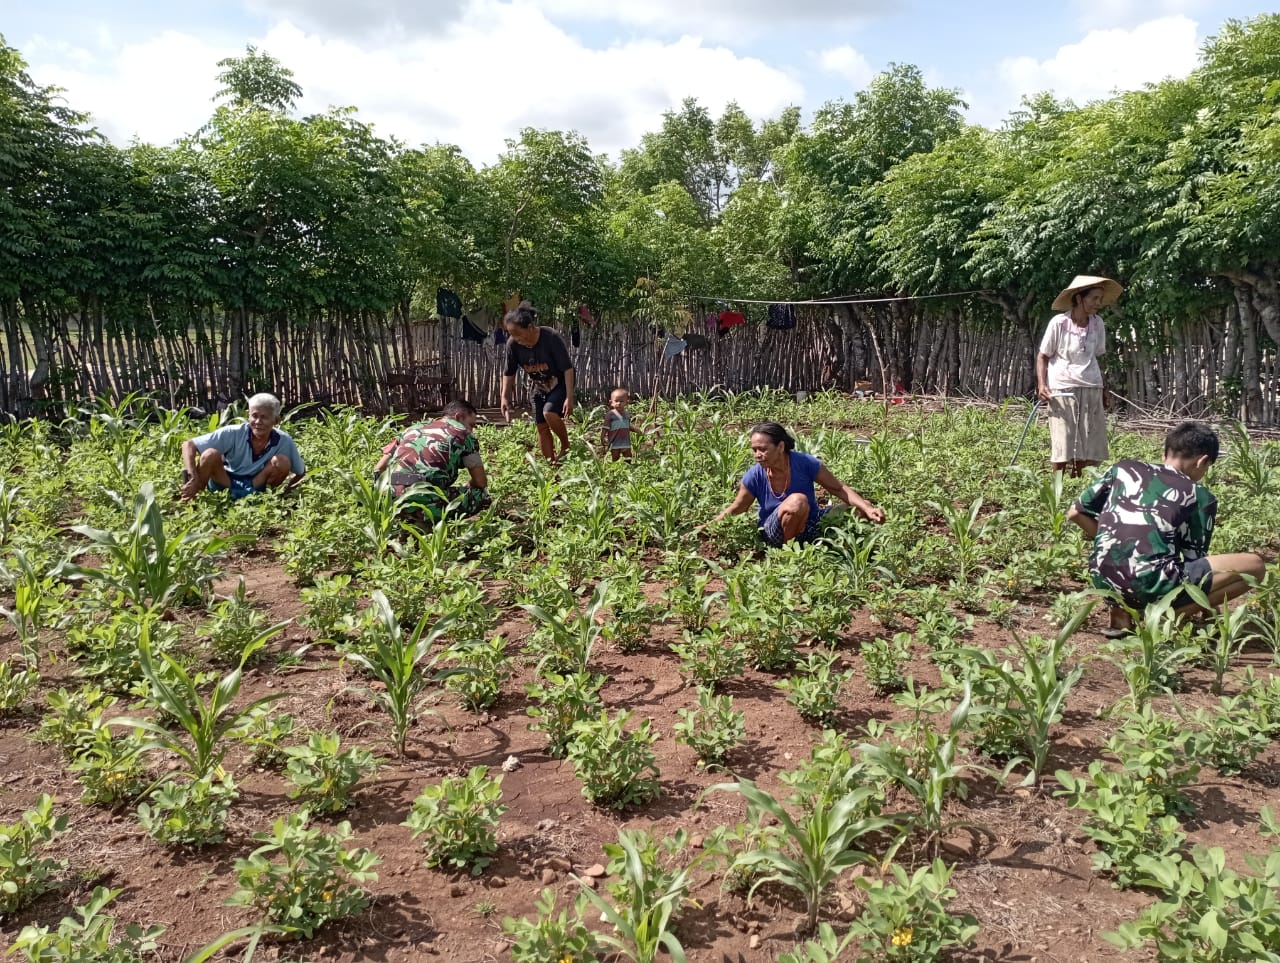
[420, 389]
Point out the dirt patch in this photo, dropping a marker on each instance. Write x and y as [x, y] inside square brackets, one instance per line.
[1026, 875]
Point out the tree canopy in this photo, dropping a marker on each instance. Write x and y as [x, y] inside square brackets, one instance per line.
[1173, 188]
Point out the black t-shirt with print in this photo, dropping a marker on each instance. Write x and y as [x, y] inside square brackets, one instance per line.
[544, 364]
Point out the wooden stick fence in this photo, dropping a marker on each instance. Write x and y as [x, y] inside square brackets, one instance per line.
[206, 357]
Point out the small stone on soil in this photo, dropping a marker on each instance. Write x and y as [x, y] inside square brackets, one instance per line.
[595, 870]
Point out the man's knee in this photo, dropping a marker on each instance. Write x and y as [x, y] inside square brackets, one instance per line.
[211, 459]
[277, 470]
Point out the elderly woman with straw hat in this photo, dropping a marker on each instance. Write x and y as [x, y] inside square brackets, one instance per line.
[1068, 376]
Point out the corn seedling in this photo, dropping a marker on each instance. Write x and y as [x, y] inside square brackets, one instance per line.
[1034, 693]
[402, 665]
[144, 564]
[204, 726]
[566, 638]
[646, 897]
[813, 848]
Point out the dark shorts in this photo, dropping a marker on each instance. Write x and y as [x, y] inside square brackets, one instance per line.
[771, 528]
[242, 486]
[552, 401]
[1198, 573]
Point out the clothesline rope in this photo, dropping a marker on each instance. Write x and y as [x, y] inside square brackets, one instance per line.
[834, 301]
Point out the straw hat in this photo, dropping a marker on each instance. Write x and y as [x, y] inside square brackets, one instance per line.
[1111, 291]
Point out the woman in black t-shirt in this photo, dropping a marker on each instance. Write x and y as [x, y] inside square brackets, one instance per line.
[542, 355]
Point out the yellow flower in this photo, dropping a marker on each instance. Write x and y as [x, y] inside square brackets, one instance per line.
[902, 937]
[326, 896]
[566, 959]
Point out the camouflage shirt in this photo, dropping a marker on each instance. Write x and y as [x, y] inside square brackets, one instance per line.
[436, 452]
[1152, 520]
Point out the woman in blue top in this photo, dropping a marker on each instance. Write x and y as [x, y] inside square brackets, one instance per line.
[782, 481]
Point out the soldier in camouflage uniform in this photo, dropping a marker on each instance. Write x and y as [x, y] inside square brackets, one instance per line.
[427, 458]
[1151, 526]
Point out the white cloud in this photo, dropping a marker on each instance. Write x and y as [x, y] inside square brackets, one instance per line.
[156, 90]
[1101, 14]
[501, 67]
[731, 19]
[1107, 60]
[846, 62]
[721, 19]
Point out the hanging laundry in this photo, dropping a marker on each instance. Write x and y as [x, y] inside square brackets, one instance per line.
[673, 347]
[511, 303]
[499, 336]
[471, 332]
[730, 319]
[448, 304]
[584, 313]
[575, 335]
[713, 321]
[782, 317]
[697, 342]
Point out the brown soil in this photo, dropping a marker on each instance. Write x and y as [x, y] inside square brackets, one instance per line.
[1027, 878]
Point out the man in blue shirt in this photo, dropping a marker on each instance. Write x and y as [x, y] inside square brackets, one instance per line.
[242, 459]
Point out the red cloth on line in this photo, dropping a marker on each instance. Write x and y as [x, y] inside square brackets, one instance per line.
[730, 319]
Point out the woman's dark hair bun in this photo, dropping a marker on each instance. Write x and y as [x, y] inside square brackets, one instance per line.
[523, 315]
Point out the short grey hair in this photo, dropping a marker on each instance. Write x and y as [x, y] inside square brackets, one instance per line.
[264, 400]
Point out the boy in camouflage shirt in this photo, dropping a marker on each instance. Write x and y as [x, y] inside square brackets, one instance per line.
[1151, 526]
[426, 459]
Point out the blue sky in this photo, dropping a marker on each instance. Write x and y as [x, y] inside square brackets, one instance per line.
[473, 72]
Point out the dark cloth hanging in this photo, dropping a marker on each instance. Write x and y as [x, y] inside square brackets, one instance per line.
[730, 319]
[697, 342]
[575, 335]
[472, 333]
[782, 317]
[448, 304]
[499, 335]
